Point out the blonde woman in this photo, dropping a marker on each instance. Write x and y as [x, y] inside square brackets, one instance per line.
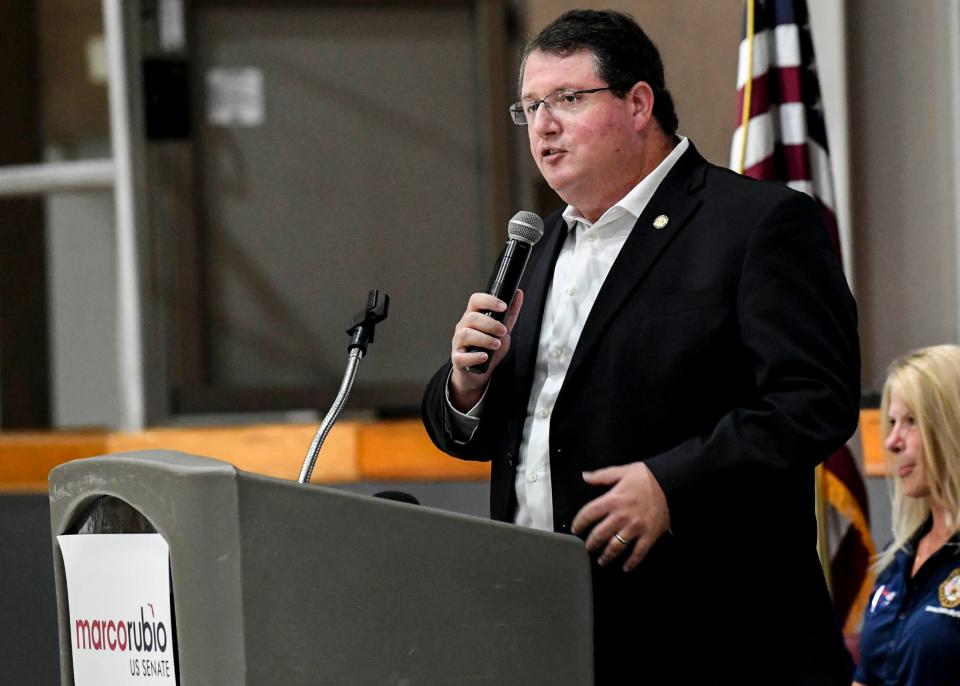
[911, 631]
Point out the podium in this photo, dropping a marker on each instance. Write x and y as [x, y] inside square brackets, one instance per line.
[276, 582]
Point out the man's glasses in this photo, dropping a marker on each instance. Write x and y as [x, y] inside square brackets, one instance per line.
[563, 101]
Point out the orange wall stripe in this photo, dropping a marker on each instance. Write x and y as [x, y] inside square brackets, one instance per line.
[402, 451]
[871, 438]
[354, 451]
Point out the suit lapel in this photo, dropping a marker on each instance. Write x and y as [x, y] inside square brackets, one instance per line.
[677, 198]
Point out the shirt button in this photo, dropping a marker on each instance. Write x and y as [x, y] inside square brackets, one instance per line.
[591, 236]
[571, 291]
[542, 413]
[557, 353]
[892, 644]
[902, 616]
[532, 477]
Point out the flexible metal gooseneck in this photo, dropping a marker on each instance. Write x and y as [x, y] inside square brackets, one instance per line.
[361, 329]
[353, 363]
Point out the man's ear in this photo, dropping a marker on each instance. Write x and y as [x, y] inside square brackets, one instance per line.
[641, 99]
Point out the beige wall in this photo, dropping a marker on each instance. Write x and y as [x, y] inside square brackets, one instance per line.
[901, 81]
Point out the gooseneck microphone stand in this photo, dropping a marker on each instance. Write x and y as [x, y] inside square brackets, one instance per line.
[360, 329]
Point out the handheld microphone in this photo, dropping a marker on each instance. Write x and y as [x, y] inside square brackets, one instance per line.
[523, 231]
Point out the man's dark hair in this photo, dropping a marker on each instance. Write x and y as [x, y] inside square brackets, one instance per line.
[624, 54]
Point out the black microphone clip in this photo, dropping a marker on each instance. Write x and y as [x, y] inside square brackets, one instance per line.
[362, 326]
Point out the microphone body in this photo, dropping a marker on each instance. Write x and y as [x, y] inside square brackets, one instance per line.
[524, 230]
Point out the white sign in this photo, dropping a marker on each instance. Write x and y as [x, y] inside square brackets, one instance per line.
[118, 586]
[235, 97]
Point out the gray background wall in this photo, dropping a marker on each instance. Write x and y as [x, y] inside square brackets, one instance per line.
[902, 84]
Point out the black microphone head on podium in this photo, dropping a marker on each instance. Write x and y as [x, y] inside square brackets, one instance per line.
[399, 496]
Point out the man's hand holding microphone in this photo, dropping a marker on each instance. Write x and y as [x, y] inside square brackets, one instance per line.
[482, 336]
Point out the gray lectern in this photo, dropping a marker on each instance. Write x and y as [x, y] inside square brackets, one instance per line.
[276, 582]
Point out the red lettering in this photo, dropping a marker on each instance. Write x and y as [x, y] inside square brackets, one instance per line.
[96, 634]
[122, 643]
[83, 634]
[112, 641]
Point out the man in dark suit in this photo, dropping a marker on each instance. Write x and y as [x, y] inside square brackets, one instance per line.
[683, 355]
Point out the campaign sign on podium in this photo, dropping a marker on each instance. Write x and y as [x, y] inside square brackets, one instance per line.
[118, 587]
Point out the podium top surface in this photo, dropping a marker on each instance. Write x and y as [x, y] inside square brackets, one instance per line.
[161, 479]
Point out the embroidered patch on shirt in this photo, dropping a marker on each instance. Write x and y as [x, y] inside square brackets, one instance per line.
[882, 597]
[950, 590]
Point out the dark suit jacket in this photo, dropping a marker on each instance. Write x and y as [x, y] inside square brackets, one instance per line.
[722, 351]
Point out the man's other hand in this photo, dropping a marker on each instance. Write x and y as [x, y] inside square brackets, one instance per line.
[630, 517]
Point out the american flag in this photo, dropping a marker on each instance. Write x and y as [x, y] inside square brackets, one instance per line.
[782, 136]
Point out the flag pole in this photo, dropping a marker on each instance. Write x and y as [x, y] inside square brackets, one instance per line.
[747, 87]
[823, 549]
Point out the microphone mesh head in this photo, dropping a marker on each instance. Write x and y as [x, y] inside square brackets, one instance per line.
[526, 227]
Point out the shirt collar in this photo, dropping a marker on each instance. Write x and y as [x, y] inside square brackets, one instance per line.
[909, 549]
[634, 202]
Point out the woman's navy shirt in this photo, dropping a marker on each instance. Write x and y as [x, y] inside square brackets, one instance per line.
[911, 628]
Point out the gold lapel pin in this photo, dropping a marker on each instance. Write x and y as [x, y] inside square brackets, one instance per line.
[661, 221]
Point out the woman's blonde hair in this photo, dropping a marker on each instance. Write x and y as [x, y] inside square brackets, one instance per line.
[927, 382]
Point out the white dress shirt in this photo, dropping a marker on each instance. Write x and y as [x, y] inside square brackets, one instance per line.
[585, 259]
